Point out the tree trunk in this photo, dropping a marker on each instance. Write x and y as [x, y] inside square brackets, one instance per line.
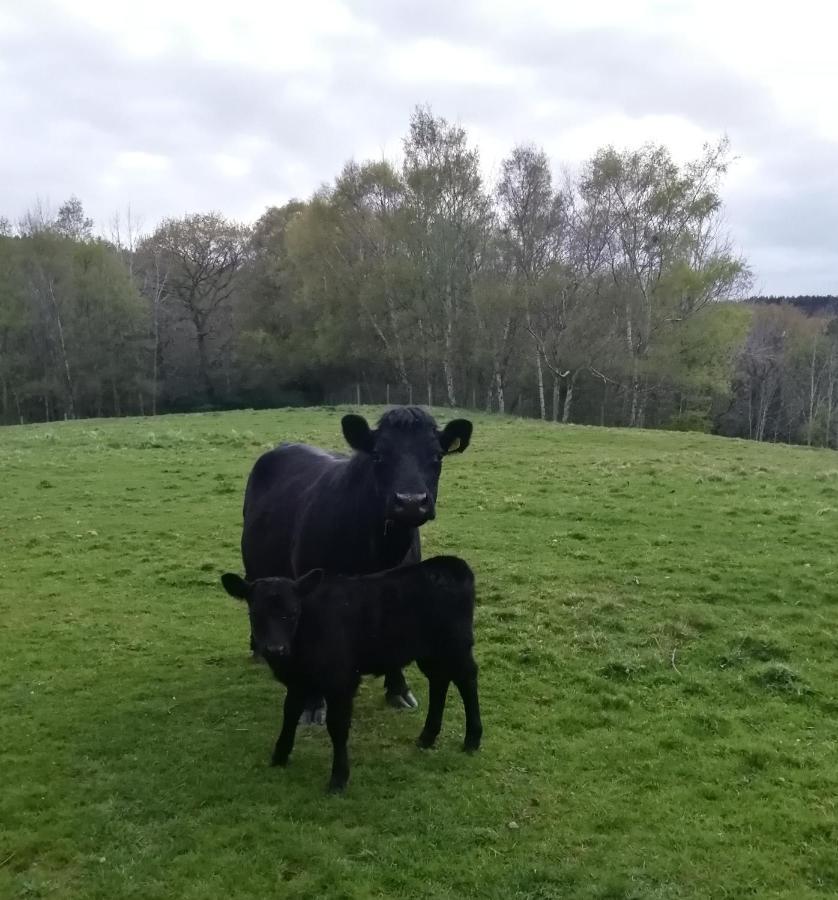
[448, 359]
[71, 406]
[449, 379]
[557, 392]
[499, 389]
[430, 394]
[812, 392]
[568, 397]
[117, 410]
[158, 299]
[203, 366]
[540, 376]
[641, 403]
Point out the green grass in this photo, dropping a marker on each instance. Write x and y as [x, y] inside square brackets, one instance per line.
[658, 637]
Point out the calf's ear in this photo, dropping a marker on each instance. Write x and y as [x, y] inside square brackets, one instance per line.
[455, 437]
[309, 581]
[357, 433]
[236, 586]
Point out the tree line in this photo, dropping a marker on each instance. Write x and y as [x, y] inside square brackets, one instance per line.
[610, 295]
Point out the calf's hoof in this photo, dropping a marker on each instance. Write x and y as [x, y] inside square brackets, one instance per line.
[403, 700]
[471, 744]
[336, 785]
[425, 741]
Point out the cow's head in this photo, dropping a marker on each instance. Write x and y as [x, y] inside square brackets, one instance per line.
[275, 605]
[405, 452]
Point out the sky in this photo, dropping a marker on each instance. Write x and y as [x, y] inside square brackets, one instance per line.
[175, 106]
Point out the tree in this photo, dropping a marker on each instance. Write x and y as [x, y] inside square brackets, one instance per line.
[71, 222]
[448, 214]
[666, 253]
[201, 255]
[370, 201]
[530, 223]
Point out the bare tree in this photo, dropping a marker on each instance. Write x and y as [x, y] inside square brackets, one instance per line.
[200, 256]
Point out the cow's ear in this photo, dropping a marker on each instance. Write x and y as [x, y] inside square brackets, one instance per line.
[236, 586]
[309, 582]
[455, 437]
[357, 432]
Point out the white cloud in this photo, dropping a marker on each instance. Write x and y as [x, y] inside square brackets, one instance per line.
[186, 106]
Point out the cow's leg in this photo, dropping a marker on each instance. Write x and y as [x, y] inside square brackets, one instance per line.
[466, 682]
[437, 691]
[338, 719]
[294, 701]
[396, 690]
[397, 693]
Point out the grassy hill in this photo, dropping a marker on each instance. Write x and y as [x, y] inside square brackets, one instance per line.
[658, 638]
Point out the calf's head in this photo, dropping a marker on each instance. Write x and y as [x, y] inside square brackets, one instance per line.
[405, 452]
[274, 605]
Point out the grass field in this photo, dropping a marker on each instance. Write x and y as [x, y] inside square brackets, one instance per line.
[658, 638]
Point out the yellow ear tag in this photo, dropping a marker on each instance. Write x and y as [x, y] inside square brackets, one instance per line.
[455, 445]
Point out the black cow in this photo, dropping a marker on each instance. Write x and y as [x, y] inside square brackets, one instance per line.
[305, 508]
[322, 634]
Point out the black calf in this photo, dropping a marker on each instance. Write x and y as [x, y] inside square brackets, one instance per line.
[320, 635]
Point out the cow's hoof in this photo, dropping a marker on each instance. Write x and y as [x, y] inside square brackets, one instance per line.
[471, 745]
[405, 700]
[279, 760]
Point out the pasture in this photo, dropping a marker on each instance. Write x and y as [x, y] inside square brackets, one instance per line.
[657, 630]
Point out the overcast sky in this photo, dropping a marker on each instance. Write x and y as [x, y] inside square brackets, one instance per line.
[177, 106]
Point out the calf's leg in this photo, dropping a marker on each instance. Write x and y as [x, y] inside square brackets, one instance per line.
[294, 702]
[466, 682]
[338, 720]
[438, 681]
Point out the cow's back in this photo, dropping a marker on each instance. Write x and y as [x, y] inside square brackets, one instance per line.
[281, 485]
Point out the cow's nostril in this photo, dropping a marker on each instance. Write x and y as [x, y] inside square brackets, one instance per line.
[411, 499]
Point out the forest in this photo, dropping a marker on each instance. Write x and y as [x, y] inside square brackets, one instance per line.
[610, 294]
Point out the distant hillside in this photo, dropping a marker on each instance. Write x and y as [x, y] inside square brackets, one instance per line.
[826, 305]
